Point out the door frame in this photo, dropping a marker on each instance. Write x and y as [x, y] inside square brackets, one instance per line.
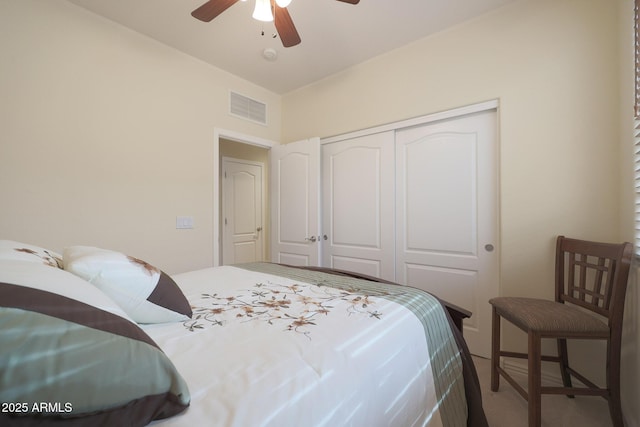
[262, 167]
[219, 134]
[429, 118]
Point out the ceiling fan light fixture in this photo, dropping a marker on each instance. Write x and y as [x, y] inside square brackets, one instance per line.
[262, 11]
[283, 3]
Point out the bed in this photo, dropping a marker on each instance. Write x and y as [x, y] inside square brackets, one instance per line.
[95, 337]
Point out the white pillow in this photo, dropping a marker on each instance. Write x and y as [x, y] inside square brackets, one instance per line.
[55, 281]
[12, 250]
[145, 293]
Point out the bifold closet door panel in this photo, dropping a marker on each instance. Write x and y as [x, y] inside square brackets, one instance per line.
[358, 205]
[446, 192]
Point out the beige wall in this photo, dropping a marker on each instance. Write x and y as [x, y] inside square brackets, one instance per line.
[106, 135]
[552, 64]
[555, 67]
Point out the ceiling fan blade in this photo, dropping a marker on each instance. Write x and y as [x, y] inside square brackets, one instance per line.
[211, 9]
[350, 1]
[284, 24]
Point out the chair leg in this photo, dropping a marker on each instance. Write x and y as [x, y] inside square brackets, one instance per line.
[534, 397]
[613, 384]
[495, 350]
[615, 409]
[564, 364]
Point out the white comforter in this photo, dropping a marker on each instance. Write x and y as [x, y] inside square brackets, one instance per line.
[262, 350]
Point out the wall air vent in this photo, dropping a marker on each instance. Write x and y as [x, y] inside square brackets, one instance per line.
[247, 108]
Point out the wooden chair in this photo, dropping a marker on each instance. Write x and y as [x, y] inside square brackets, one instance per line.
[591, 277]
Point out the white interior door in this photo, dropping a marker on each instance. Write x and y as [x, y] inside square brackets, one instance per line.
[295, 191]
[242, 223]
[357, 205]
[447, 215]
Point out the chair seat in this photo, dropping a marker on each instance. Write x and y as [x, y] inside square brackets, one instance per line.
[531, 314]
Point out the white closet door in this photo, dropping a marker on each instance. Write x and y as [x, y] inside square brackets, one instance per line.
[295, 197]
[357, 205]
[447, 215]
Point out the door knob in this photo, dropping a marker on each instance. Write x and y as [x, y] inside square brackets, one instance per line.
[488, 247]
[311, 239]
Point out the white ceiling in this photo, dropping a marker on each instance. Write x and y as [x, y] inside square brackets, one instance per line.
[335, 35]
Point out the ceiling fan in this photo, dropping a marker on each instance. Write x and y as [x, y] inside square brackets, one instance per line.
[283, 22]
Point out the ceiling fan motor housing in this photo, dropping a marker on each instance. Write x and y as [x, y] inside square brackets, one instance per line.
[283, 22]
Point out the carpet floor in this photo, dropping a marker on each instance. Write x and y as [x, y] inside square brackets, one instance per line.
[505, 408]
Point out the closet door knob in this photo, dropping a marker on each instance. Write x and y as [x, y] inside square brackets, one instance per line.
[489, 247]
[311, 239]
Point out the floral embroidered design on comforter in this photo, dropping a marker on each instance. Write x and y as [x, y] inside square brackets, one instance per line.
[296, 306]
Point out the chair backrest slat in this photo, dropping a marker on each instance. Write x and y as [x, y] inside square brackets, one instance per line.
[600, 270]
[592, 278]
[594, 284]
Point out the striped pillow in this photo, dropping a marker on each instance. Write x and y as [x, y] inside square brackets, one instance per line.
[69, 353]
[144, 292]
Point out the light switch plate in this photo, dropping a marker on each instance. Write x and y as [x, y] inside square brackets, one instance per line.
[184, 222]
